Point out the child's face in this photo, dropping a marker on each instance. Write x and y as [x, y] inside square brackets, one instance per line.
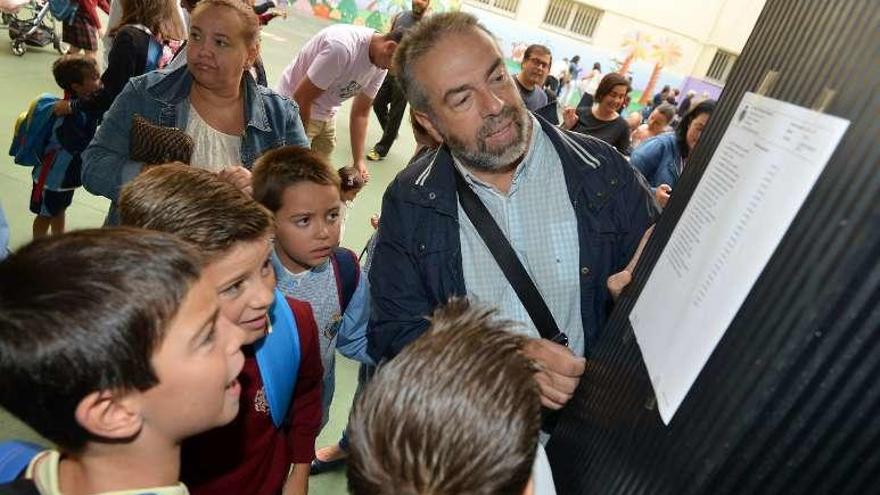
[197, 363]
[307, 225]
[245, 282]
[89, 85]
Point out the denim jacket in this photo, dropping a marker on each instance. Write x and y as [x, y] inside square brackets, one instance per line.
[162, 97]
[658, 159]
[417, 261]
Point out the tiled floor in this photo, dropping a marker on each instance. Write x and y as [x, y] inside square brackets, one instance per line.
[23, 78]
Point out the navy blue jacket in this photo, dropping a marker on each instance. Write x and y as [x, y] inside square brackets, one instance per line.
[417, 261]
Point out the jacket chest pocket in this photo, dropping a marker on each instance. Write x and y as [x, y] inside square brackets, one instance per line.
[439, 265]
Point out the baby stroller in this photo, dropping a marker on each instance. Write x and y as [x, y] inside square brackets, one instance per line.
[30, 24]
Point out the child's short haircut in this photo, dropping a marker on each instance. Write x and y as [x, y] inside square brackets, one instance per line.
[84, 312]
[350, 179]
[283, 167]
[458, 411]
[195, 205]
[74, 69]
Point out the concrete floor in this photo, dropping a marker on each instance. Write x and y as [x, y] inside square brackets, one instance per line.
[23, 78]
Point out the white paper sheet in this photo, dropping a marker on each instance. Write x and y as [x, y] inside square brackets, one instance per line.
[762, 171]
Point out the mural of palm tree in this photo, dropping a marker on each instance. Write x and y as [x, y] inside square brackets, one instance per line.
[664, 52]
[635, 45]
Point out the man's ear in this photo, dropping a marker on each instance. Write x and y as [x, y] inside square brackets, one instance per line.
[390, 48]
[110, 414]
[425, 121]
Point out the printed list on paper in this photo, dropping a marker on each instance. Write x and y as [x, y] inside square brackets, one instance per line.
[756, 182]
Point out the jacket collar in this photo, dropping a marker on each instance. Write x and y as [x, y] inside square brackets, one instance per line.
[173, 87]
[434, 187]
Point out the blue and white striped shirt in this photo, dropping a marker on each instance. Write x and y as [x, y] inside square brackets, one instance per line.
[538, 219]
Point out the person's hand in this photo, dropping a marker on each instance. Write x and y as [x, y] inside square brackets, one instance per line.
[617, 282]
[361, 167]
[374, 221]
[559, 371]
[569, 117]
[662, 194]
[61, 108]
[239, 177]
[297, 482]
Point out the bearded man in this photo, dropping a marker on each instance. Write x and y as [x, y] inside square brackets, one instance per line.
[570, 206]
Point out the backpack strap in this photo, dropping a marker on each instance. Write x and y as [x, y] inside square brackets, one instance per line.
[278, 357]
[15, 455]
[345, 265]
[154, 53]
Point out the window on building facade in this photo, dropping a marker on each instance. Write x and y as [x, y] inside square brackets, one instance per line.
[721, 65]
[507, 6]
[573, 17]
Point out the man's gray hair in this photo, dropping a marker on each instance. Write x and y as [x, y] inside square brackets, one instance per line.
[421, 39]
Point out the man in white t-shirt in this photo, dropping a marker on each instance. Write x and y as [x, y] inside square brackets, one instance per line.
[338, 63]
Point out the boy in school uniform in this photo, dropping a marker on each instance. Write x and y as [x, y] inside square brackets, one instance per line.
[303, 192]
[281, 382]
[112, 348]
[52, 145]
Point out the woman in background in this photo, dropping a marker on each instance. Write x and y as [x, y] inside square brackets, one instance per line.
[662, 159]
[213, 98]
[143, 40]
[658, 122]
[602, 120]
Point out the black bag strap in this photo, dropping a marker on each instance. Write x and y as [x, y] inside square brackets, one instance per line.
[19, 487]
[508, 261]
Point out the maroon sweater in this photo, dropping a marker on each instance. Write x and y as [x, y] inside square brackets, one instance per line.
[250, 455]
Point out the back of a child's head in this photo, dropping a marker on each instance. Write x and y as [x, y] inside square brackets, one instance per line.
[85, 312]
[74, 69]
[458, 411]
[195, 205]
[278, 169]
[350, 179]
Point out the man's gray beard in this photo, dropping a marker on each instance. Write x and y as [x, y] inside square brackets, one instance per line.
[484, 160]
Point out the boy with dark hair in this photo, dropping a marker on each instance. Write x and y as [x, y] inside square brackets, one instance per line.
[410, 433]
[52, 145]
[111, 347]
[281, 381]
[302, 190]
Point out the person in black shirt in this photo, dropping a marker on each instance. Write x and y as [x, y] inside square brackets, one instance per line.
[686, 103]
[530, 82]
[602, 120]
[390, 102]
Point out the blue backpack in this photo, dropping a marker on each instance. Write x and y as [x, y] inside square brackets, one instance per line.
[63, 10]
[278, 354]
[32, 131]
[15, 455]
[347, 275]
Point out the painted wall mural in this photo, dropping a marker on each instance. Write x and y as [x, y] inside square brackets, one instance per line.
[644, 58]
[376, 14]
